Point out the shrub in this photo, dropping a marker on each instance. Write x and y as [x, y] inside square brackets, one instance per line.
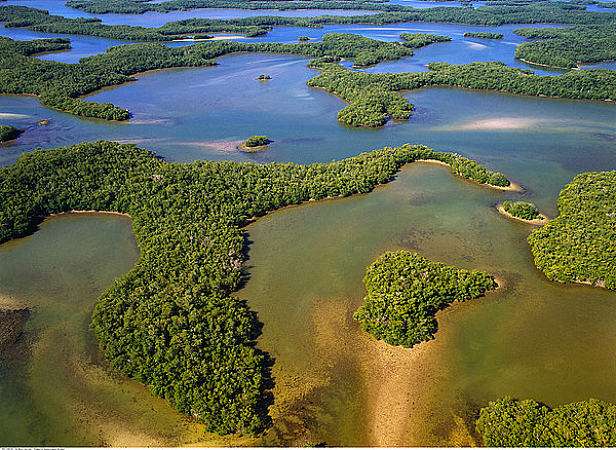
[521, 210]
[256, 141]
[578, 245]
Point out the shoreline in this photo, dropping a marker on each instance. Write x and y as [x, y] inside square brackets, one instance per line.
[513, 186]
[537, 222]
[9, 303]
[259, 148]
[89, 212]
[213, 38]
[547, 65]
[598, 283]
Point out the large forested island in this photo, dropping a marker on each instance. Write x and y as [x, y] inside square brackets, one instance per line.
[166, 282]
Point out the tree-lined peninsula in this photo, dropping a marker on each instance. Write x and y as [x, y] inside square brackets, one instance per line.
[568, 47]
[374, 98]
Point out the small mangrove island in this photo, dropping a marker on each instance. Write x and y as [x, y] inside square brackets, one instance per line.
[8, 133]
[527, 423]
[406, 290]
[567, 47]
[374, 98]
[522, 211]
[418, 40]
[183, 341]
[255, 144]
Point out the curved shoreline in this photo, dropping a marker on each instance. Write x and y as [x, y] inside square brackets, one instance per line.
[89, 212]
[514, 187]
[259, 148]
[537, 222]
[547, 65]
[598, 283]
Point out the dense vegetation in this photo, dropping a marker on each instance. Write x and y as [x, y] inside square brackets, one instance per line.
[578, 246]
[521, 210]
[142, 6]
[526, 423]
[59, 85]
[405, 291]
[8, 133]
[568, 47]
[496, 12]
[374, 98]
[483, 35]
[42, 21]
[172, 322]
[417, 40]
[256, 141]
[543, 12]
[38, 46]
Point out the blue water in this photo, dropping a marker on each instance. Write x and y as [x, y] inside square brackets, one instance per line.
[155, 19]
[610, 65]
[216, 107]
[597, 8]
[189, 114]
[433, 4]
[82, 46]
[460, 50]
